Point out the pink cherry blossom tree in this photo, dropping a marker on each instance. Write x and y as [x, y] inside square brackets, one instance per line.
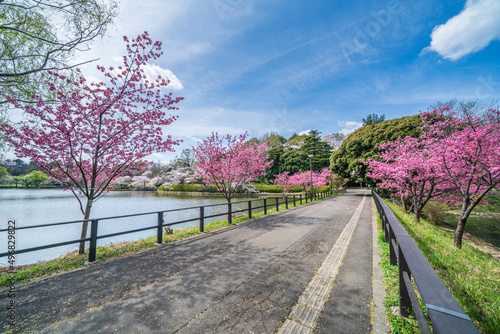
[409, 169]
[337, 182]
[301, 179]
[282, 181]
[467, 152]
[310, 179]
[98, 131]
[229, 162]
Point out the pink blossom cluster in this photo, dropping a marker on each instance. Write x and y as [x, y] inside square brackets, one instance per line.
[306, 180]
[457, 159]
[97, 131]
[230, 162]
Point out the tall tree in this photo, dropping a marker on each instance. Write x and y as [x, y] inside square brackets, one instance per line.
[468, 157]
[310, 179]
[36, 178]
[320, 150]
[3, 171]
[100, 130]
[409, 169]
[229, 162]
[363, 144]
[282, 181]
[293, 161]
[187, 157]
[38, 36]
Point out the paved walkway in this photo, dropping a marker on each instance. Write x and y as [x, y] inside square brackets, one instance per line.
[271, 274]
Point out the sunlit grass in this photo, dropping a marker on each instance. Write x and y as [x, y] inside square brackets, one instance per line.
[472, 276]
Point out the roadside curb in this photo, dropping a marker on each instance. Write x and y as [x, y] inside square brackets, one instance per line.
[306, 312]
[378, 288]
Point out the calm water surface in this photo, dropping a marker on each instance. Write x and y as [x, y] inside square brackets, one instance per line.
[35, 207]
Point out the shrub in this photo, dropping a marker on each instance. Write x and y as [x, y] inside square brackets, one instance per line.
[271, 188]
[182, 187]
[267, 188]
[435, 212]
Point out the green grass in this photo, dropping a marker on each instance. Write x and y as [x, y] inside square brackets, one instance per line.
[482, 227]
[104, 253]
[471, 275]
[397, 323]
[485, 221]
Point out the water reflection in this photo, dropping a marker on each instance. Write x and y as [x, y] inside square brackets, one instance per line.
[35, 207]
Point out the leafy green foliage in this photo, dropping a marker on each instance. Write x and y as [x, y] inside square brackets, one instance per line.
[271, 188]
[292, 161]
[36, 177]
[188, 188]
[435, 211]
[38, 36]
[363, 144]
[320, 150]
[3, 171]
[373, 119]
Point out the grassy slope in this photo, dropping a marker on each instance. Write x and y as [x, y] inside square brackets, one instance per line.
[472, 276]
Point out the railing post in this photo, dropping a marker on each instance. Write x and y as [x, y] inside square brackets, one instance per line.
[294, 203]
[159, 229]
[405, 307]
[265, 206]
[300, 196]
[277, 204]
[229, 213]
[249, 209]
[286, 202]
[392, 250]
[202, 219]
[93, 241]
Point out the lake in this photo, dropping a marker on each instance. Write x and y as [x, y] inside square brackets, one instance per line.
[44, 206]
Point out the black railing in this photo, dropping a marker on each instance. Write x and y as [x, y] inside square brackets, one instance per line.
[94, 236]
[445, 313]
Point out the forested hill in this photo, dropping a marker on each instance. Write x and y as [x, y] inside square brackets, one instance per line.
[363, 144]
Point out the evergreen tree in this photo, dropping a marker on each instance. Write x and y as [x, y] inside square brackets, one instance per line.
[320, 150]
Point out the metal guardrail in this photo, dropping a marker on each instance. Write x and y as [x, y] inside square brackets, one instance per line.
[445, 313]
[94, 223]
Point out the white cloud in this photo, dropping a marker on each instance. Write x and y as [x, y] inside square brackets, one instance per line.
[348, 127]
[302, 133]
[153, 71]
[470, 31]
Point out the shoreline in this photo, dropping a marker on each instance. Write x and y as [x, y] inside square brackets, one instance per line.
[72, 260]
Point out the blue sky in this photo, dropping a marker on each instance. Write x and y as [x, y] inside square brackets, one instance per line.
[289, 66]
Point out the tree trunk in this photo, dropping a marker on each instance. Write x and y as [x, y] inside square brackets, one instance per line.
[229, 220]
[459, 232]
[404, 203]
[83, 235]
[416, 214]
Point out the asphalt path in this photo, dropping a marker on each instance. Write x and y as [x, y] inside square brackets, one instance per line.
[241, 279]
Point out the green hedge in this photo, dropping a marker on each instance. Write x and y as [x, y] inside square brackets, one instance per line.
[188, 188]
[263, 188]
[267, 188]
